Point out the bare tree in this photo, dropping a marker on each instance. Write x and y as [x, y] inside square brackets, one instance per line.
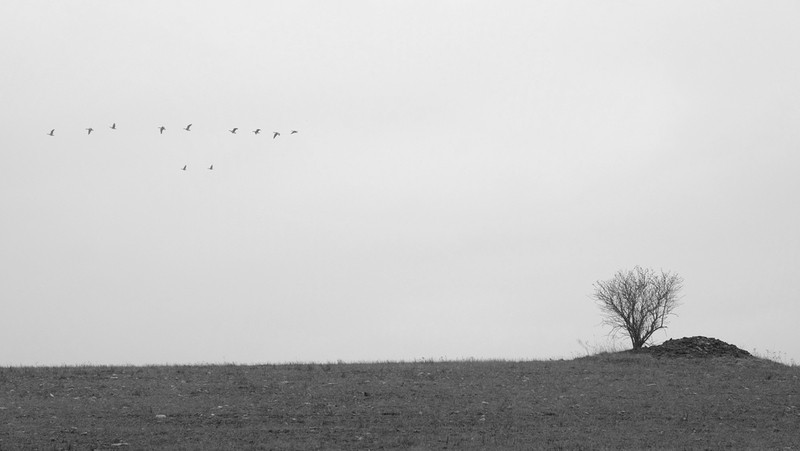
[638, 301]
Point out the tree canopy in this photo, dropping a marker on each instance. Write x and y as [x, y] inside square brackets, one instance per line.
[638, 301]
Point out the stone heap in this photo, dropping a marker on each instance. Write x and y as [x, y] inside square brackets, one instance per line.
[696, 347]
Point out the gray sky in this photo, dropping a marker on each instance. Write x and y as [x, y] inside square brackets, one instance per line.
[464, 172]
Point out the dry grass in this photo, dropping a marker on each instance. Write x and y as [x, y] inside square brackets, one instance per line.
[615, 400]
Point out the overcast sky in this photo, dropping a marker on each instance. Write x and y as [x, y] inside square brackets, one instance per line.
[462, 174]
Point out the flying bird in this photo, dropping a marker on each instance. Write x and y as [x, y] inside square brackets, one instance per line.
[188, 127]
[234, 130]
[161, 129]
[211, 168]
[184, 168]
[113, 126]
[293, 132]
[90, 129]
[51, 132]
[275, 135]
[257, 131]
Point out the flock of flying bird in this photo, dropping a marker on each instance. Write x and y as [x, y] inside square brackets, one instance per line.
[188, 128]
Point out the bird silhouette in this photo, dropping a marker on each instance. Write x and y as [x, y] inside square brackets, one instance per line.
[188, 127]
[113, 126]
[234, 130]
[90, 130]
[51, 132]
[293, 132]
[184, 168]
[275, 135]
[257, 131]
[211, 168]
[161, 129]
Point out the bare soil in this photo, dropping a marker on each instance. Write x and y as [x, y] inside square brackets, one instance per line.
[619, 400]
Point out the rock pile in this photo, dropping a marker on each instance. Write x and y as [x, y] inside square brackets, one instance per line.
[695, 347]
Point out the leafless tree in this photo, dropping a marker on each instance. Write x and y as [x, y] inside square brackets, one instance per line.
[638, 301]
